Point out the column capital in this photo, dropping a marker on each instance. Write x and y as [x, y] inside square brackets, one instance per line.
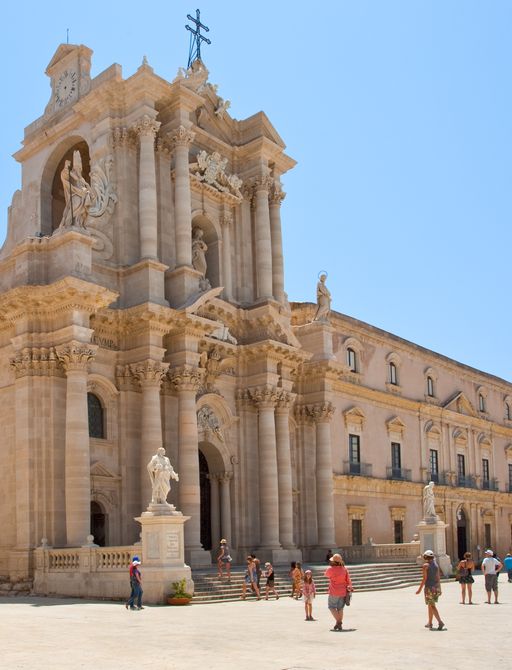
[265, 396]
[285, 402]
[261, 183]
[36, 361]
[75, 356]
[181, 137]
[321, 412]
[123, 137]
[303, 414]
[148, 373]
[146, 126]
[163, 147]
[276, 194]
[225, 477]
[226, 219]
[186, 378]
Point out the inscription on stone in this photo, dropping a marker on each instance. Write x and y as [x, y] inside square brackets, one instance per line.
[172, 546]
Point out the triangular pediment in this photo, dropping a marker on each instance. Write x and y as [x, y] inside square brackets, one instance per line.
[354, 416]
[460, 404]
[100, 470]
[395, 425]
[63, 51]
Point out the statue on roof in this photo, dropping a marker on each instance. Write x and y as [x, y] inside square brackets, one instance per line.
[323, 300]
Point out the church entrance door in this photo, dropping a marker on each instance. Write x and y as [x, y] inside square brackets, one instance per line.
[206, 520]
[98, 524]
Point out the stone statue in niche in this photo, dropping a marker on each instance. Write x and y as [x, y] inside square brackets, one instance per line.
[160, 472]
[323, 300]
[78, 194]
[199, 249]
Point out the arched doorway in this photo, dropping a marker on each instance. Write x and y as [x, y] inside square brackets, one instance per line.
[462, 541]
[98, 524]
[206, 519]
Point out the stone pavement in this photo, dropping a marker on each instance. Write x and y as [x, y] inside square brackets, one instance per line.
[385, 631]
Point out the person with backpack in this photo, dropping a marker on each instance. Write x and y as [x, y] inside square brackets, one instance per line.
[340, 589]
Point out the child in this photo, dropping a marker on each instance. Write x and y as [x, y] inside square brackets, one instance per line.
[297, 576]
[309, 591]
[270, 585]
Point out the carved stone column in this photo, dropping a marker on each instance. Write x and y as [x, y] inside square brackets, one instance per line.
[263, 239]
[276, 197]
[322, 414]
[215, 512]
[149, 375]
[147, 128]
[226, 221]
[75, 358]
[284, 471]
[187, 380]
[225, 506]
[265, 398]
[180, 140]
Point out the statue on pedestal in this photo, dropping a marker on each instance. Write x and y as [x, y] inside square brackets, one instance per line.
[160, 472]
[323, 300]
[78, 194]
[429, 508]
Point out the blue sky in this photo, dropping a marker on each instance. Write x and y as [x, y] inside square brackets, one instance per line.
[398, 113]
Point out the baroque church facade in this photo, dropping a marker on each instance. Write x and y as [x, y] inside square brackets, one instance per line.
[142, 305]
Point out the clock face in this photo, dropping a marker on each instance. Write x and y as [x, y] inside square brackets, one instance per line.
[66, 87]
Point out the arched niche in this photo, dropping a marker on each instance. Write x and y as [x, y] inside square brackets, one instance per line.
[212, 238]
[52, 190]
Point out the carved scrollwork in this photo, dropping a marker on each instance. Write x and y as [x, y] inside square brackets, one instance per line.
[146, 126]
[211, 169]
[36, 361]
[76, 355]
[186, 378]
[181, 137]
[148, 373]
[208, 422]
[321, 412]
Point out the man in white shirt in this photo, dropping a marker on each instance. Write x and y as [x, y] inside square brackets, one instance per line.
[490, 567]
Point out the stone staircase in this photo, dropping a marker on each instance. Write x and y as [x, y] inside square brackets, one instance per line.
[370, 577]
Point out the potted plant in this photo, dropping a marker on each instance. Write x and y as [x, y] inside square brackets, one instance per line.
[179, 596]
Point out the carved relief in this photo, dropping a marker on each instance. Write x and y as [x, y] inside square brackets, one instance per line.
[35, 361]
[208, 422]
[211, 169]
[148, 373]
[146, 127]
[186, 378]
[76, 355]
[181, 137]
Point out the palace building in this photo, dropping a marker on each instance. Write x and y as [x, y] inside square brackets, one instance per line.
[142, 304]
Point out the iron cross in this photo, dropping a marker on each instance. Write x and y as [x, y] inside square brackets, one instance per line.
[196, 38]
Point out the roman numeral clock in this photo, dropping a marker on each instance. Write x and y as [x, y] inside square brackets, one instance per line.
[66, 87]
[69, 71]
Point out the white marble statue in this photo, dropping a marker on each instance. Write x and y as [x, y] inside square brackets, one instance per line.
[78, 195]
[160, 472]
[429, 509]
[323, 300]
[199, 249]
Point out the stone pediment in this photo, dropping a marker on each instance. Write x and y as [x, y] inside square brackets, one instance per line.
[100, 470]
[354, 416]
[461, 405]
[395, 425]
[63, 51]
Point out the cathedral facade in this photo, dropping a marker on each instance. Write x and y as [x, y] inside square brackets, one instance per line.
[142, 305]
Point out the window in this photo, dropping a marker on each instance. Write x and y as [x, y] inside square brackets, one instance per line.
[352, 360]
[461, 466]
[508, 412]
[487, 535]
[485, 469]
[396, 459]
[510, 477]
[434, 465]
[357, 532]
[398, 531]
[96, 419]
[354, 449]
[481, 403]
[430, 387]
[393, 377]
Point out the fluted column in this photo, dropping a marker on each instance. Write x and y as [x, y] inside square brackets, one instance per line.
[215, 511]
[263, 238]
[284, 470]
[265, 399]
[225, 505]
[226, 221]
[187, 381]
[147, 129]
[75, 358]
[322, 414]
[276, 197]
[180, 140]
[149, 375]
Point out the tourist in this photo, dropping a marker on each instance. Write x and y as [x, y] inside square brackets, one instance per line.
[328, 556]
[507, 562]
[250, 579]
[224, 560]
[431, 583]
[490, 568]
[340, 588]
[270, 585]
[298, 577]
[309, 591]
[464, 570]
[136, 586]
[257, 568]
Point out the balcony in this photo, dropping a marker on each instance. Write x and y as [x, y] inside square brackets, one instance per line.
[353, 468]
[400, 474]
[490, 484]
[436, 477]
[466, 482]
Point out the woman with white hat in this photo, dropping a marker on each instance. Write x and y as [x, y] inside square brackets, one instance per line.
[431, 583]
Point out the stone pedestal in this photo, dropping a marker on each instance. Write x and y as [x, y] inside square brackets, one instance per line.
[180, 284]
[432, 535]
[317, 337]
[163, 552]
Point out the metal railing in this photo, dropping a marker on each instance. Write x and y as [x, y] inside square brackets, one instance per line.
[466, 482]
[490, 484]
[403, 474]
[353, 468]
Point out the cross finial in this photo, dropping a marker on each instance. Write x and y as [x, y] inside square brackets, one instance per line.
[194, 52]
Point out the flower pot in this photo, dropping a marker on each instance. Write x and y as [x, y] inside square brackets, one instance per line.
[178, 600]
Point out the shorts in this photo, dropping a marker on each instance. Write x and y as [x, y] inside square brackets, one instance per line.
[432, 594]
[491, 583]
[309, 599]
[226, 559]
[336, 602]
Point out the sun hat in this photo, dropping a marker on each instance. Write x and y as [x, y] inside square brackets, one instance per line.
[429, 552]
[267, 563]
[489, 552]
[223, 541]
[308, 572]
[336, 558]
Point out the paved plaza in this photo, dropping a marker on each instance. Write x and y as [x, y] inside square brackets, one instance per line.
[385, 629]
